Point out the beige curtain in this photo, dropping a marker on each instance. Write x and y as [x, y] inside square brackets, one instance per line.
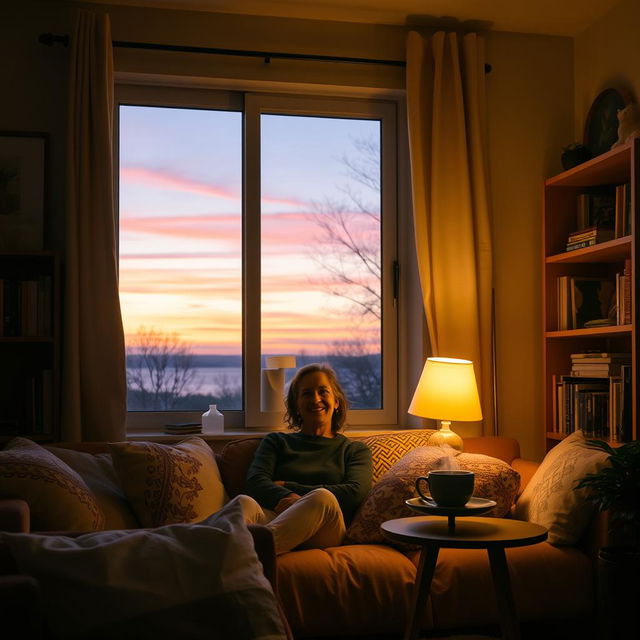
[94, 380]
[446, 116]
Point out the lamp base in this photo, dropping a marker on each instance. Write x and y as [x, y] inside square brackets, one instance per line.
[444, 435]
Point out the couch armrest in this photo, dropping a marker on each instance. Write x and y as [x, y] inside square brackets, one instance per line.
[266, 552]
[500, 447]
[21, 606]
[14, 516]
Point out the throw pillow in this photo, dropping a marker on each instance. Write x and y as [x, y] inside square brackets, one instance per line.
[58, 498]
[166, 484]
[388, 448]
[494, 480]
[179, 581]
[551, 499]
[100, 476]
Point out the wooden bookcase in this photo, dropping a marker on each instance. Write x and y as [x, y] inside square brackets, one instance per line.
[615, 167]
[29, 345]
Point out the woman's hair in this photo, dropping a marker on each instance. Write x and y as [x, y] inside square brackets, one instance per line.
[293, 418]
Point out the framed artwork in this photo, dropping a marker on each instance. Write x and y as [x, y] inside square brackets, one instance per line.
[601, 127]
[22, 185]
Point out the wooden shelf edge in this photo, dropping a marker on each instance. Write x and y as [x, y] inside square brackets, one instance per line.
[597, 332]
[616, 249]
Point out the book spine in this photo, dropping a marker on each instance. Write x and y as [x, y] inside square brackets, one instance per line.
[581, 245]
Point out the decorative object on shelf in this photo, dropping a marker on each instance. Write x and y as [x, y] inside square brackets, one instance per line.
[447, 391]
[628, 124]
[601, 127]
[573, 155]
[22, 176]
[616, 488]
[212, 420]
[272, 386]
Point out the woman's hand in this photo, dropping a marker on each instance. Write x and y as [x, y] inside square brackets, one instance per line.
[286, 502]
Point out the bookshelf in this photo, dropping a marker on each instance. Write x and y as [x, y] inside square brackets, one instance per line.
[29, 344]
[568, 402]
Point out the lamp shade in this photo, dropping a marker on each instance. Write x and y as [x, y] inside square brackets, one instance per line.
[447, 390]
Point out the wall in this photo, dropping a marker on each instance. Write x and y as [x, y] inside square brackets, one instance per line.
[607, 55]
[530, 113]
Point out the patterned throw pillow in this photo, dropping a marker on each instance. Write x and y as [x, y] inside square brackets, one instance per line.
[494, 480]
[167, 484]
[58, 498]
[387, 449]
[551, 499]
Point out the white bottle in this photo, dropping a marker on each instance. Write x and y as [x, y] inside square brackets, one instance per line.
[212, 421]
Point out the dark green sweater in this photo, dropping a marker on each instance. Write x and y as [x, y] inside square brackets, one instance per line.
[305, 463]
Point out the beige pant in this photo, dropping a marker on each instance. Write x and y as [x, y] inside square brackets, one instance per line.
[314, 521]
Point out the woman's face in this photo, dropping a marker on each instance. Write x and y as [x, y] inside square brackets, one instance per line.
[316, 403]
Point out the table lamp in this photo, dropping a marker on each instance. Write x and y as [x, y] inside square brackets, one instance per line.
[447, 391]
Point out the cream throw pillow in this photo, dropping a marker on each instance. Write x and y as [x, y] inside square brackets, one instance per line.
[494, 480]
[58, 498]
[551, 499]
[100, 476]
[166, 484]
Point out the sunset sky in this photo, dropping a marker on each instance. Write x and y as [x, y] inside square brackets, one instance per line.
[180, 227]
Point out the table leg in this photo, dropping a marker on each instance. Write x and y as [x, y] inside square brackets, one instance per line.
[502, 583]
[421, 587]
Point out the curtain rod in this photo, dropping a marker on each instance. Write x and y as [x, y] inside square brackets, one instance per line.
[49, 39]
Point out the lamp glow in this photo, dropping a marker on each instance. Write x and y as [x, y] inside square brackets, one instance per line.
[447, 391]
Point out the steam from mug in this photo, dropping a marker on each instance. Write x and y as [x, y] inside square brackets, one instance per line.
[448, 488]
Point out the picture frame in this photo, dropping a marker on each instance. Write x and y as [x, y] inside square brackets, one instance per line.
[22, 190]
[601, 126]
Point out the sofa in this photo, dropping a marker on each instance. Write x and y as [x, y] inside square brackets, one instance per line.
[363, 588]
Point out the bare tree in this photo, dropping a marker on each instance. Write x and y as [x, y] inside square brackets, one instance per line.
[359, 372]
[163, 370]
[349, 232]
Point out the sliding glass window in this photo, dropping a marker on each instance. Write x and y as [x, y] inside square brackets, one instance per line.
[255, 225]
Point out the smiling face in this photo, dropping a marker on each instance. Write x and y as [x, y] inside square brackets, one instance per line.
[316, 403]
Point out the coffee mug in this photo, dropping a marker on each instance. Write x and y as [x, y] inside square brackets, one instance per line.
[448, 488]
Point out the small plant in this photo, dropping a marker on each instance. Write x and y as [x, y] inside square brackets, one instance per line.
[616, 487]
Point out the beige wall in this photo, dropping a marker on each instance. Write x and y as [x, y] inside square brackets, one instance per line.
[607, 55]
[530, 119]
[530, 113]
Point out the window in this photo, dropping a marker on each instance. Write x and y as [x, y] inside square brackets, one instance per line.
[255, 225]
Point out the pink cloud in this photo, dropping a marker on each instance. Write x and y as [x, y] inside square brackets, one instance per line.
[173, 181]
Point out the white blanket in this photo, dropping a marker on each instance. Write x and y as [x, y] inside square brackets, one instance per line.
[179, 581]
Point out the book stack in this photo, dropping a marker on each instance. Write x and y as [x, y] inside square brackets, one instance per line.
[588, 237]
[598, 365]
[183, 428]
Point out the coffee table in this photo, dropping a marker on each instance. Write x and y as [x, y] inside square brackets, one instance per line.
[493, 534]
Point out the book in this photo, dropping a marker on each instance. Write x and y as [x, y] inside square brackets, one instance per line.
[582, 244]
[622, 210]
[600, 356]
[591, 233]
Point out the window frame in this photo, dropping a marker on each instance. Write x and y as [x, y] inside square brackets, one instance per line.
[252, 105]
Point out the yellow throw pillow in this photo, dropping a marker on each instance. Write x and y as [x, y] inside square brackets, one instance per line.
[58, 498]
[388, 448]
[167, 484]
[551, 498]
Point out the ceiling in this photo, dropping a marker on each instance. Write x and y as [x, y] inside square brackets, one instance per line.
[552, 17]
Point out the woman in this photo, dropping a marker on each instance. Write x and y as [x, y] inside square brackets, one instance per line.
[306, 485]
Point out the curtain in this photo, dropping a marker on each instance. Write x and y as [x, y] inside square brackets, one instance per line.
[94, 379]
[446, 118]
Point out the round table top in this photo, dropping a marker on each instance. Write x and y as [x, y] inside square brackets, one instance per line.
[469, 533]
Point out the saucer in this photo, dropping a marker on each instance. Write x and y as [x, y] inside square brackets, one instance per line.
[474, 507]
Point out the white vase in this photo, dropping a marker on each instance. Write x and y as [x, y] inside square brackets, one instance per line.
[212, 420]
